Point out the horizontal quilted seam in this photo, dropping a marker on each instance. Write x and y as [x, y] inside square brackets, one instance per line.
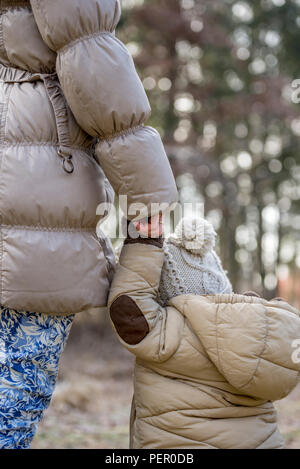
[191, 409]
[44, 228]
[44, 144]
[12, 74]
[237, 299]
[87, 37]
[173, 432]
[121, 133]
[84, 153]
[225, 299]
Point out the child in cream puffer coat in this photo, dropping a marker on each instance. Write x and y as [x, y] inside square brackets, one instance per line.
[209, 362]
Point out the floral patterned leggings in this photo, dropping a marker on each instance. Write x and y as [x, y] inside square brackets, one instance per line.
[30, 348]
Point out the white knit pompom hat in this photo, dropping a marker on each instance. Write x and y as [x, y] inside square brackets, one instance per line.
[191, 264]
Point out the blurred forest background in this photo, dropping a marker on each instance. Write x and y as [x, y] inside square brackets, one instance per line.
[219, 75]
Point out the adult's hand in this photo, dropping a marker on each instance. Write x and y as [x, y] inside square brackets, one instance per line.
[150, 227]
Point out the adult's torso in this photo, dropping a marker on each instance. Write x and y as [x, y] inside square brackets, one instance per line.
[50, 257]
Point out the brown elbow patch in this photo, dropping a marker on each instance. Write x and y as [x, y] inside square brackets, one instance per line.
[128, 319]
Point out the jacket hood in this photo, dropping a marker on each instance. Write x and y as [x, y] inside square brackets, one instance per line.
[250, 340]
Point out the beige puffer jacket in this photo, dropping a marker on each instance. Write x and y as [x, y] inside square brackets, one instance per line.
[207, 367]
[66, 80]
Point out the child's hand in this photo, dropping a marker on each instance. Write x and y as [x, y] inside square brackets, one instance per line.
[151, 228]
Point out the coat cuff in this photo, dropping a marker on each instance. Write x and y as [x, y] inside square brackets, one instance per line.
[152, 241]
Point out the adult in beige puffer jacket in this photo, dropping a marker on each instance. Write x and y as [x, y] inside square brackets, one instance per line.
[66, 80]
[72, 114]
[207, 366]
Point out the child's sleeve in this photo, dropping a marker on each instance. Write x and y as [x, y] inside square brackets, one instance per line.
[143, 326]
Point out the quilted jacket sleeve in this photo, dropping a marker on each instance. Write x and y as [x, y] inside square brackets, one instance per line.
[106, 96]
[251, 341]
[145, 328]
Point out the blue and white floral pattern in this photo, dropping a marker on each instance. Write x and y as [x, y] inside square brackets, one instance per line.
[30, 348]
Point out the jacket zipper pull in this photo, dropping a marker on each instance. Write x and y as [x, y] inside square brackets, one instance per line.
[66, 155]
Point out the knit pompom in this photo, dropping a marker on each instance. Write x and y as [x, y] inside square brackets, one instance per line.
[195, 235]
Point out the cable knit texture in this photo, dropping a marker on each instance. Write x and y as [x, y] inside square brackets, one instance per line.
[191, 264]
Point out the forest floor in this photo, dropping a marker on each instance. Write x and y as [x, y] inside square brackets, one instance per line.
[91, 404]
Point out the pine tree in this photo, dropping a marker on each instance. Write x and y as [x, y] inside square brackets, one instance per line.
[219, 77]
